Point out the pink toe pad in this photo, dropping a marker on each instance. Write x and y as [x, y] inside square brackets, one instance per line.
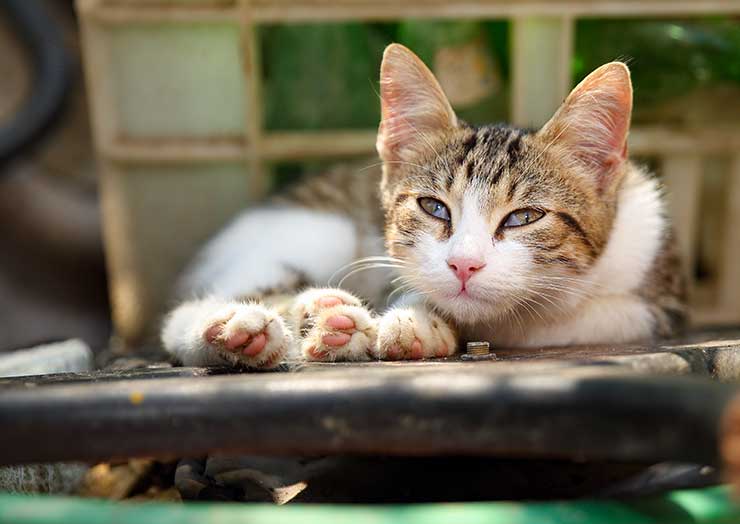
[330, 301]
[340, 322]
[416, 351]
[336, 339]
[236, 340]
[394, 352]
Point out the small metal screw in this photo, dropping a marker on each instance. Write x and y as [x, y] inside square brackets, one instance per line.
[478, 348]
[478, 351]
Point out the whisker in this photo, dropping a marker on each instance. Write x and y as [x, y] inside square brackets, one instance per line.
[367, 260]
[365, 268]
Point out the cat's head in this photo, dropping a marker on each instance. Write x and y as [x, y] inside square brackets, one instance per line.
[491, 219]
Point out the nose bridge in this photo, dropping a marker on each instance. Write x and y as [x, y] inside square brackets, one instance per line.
[467, 238]
[466, 245]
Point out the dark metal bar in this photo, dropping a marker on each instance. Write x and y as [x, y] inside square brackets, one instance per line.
[452, 409]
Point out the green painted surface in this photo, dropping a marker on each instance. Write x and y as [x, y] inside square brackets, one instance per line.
[712, 505]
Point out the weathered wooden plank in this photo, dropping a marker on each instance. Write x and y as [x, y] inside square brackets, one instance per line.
[287, 145]
[269, 11]
[252, 68]
[282, 145]
[666, 140]
[98, 78]
[176, 151]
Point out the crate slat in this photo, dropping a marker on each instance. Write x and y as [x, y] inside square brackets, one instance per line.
[253, 118]
[729, 269]
[272, 11]
[682, 178]
[542, 49]
[176, 151]
[97, 83]
[289, 145]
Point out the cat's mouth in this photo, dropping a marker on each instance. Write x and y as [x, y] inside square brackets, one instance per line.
[463, 293]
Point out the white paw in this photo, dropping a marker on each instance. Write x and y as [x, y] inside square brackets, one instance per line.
[249, 334]
[340, 333]
[413, 333]
[333, 325]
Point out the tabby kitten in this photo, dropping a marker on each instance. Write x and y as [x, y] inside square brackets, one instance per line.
[495, 233]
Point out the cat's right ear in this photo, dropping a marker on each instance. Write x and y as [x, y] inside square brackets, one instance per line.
[413, 105]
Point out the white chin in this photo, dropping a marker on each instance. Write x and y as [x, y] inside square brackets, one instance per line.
[464, 309]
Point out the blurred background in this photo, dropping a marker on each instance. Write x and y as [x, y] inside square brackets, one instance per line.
[132, 130]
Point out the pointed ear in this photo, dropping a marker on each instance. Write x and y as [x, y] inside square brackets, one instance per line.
[413, 105]
[592, 124]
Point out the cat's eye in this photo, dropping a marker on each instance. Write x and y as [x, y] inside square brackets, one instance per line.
[522, 217]
[435, 208]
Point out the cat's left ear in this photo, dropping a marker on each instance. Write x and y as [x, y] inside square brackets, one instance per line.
[593, 122]
[413, 105]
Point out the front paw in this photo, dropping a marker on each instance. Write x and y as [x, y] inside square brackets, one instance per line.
[340, 333]
[333, 325]
[248, 334]
[413, 333]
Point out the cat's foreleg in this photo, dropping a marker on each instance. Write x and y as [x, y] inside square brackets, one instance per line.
[275, 249]
[414, 332]
[213, 332]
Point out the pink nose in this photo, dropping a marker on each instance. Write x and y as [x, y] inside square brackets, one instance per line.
[465, 267]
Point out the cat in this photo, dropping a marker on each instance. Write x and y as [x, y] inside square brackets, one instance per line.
[524, 238]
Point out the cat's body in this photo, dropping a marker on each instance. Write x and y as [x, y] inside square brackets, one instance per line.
[523, 239]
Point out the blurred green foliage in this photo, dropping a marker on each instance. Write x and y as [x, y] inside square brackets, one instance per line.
[322, 76]
[325, 76]
[667, 57]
